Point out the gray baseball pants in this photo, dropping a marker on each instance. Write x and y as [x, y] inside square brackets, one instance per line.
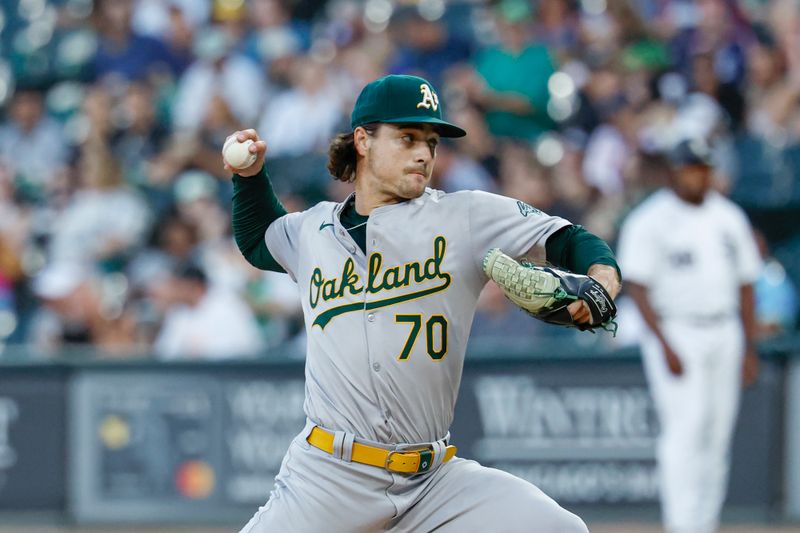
[316, 492]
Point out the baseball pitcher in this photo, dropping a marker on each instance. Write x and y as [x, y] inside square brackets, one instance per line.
[389, 281]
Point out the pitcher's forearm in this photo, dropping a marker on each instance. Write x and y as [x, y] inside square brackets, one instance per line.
[255, 207]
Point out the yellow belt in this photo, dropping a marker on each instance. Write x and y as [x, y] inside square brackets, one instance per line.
[404, 462]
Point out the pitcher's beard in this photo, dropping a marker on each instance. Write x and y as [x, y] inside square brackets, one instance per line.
[412, 187]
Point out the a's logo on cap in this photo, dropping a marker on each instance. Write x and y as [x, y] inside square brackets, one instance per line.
[429, 98]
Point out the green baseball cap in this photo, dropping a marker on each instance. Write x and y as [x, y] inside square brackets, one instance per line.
[400, 99]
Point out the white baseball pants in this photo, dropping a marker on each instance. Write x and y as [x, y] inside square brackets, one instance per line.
[697, 412]
[315, 491]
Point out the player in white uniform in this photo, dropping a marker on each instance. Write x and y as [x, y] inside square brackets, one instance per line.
[690, 261]
[389, 281]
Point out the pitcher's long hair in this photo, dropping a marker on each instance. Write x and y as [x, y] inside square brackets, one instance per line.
[342, 154]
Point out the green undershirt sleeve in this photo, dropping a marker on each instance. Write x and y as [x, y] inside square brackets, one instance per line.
[575, 249]
[255, 207]
[355, 224]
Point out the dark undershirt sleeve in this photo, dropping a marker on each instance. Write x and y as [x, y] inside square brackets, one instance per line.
[255, 207]
[575, 249]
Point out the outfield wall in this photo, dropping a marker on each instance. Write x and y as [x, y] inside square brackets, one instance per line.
[141, 441]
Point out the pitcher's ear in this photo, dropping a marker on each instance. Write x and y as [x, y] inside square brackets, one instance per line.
[361, 140]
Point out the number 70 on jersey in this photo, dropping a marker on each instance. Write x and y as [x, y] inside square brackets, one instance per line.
[435, 335]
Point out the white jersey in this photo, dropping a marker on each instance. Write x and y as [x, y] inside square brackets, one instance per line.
[387, 330]
[692, 258]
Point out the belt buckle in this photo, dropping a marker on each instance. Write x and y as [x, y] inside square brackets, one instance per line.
[425, 460]
[424, 464]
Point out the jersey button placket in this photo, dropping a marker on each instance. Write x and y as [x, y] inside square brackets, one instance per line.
[371, 240]
[376, 366]
[371, 319]
[347, 242]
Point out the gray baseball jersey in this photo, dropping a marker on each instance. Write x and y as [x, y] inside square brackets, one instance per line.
[387, 330]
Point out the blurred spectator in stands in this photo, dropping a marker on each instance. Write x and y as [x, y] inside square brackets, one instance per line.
[714, 27]
[202, 321]
[70, 304]
[142, 136]
[702, 107]
[202, 148]
[233, 18]
[180, 150]
[524, 177]
[97, 116]
[78, 312]
[511, 86]
[640, 58]
[595, 82]
[479, 145]
[773, 95]
[643, 174]
[298, 123]
[634, 42]
[173, 22]
[173, 242]
[783, 18]
[456, 172]
[275, 34]
[124, 53]
[557, 26]
[105, 221]
[611, 146]
[197, 202]
[196, 196]
[726, 94]
[567, 181]
[218, 71]
[275, 300]
[700, 116]
[32, 145]
[425, 47]
[303, 118]
[360, 63]
[10, 274]
[616, 33]
[15, 229]
[646, 173]
[157, 18]
[777, 306]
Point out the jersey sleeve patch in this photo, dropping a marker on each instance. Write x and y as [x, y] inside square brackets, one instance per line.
[527, 209]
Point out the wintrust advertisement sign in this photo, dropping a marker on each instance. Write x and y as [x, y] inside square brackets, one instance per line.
[585, 431]
[582, 437]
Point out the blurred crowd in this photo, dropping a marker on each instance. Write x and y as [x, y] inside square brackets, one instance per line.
[115, 210]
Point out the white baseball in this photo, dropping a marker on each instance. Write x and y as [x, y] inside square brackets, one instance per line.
[237, 154]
